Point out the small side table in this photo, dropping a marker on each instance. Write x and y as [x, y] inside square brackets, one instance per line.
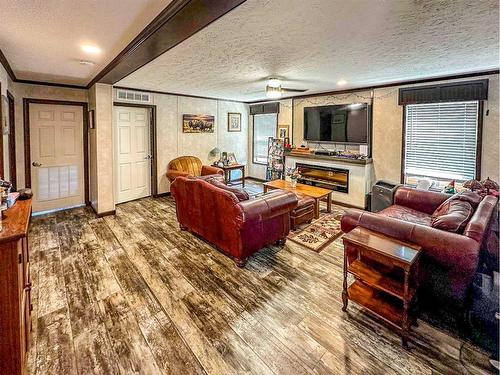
[227, 174]
[378, 286]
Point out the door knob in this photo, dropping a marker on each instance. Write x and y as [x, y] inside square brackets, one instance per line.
[35, 164]
[148, 157]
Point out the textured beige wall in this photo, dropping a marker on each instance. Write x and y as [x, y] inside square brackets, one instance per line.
[104, 147]
[300, 104]
[22, 90]
[172, 142]
[166, 136]
[4, 83]
[388, 132]
[491, 133]
[93, 180]
[388, 127]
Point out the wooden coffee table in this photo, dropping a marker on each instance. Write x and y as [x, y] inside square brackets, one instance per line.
[378, 285]
[315, 192]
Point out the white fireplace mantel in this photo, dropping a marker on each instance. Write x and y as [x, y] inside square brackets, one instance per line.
[360, 177]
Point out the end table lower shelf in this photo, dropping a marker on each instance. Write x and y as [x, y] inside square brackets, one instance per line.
[386, 277]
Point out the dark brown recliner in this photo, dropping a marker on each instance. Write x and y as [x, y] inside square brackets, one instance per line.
[191, 166]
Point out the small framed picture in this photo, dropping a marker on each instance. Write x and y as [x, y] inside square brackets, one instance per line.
[231, 158]
[91, 119]
[283, 131]
[234, 122]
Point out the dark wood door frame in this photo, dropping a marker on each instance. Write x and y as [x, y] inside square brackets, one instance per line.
[152, 141]
[12, 141]
[27, 148]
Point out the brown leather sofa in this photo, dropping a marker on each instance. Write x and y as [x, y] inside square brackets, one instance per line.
[190, 166]
[449, 260]
[237, 228]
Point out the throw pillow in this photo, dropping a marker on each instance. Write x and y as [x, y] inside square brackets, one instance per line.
[467, 196]
[242, 195]
[452, 216]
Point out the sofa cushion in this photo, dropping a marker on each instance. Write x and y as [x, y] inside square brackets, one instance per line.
[241, 194]
[452, 216]
[407, 214]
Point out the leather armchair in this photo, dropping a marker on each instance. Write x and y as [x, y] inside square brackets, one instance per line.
[190, 166]
[449, 260]
[238, 229]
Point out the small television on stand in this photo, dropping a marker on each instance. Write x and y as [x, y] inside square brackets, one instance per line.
[340, 124]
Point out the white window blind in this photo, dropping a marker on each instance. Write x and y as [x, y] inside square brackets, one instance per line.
[441, 141]
[264, 126]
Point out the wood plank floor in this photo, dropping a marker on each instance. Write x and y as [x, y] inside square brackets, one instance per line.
[131, 293]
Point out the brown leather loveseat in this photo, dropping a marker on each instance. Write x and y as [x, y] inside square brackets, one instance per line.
[449, 259]
[190, 166]
[238, 228]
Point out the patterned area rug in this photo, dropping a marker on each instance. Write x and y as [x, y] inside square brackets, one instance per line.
[320, 232]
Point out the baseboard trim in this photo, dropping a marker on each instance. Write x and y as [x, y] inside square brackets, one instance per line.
[255, 179]
[159, 195]
[107, 213]
[103, 214]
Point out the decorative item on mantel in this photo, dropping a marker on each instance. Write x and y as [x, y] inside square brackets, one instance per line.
[472, 185]
[489, 184]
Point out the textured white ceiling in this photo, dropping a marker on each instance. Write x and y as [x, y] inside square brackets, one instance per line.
[41, 38]
[313, 44]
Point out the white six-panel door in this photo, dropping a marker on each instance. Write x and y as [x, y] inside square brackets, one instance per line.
[56, 146]
[132, 154]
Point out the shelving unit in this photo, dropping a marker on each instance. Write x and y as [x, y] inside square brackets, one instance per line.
[386, 277]
[275, 159]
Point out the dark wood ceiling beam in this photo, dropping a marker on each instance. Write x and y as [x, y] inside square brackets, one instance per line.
[177, 22]
[7, 67]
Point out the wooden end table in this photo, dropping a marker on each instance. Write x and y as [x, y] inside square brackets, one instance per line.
[378, 287]
[315, 192]
[227, 174]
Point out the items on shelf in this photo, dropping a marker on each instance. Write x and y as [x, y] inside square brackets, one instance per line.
[275, 159]
[226, 159]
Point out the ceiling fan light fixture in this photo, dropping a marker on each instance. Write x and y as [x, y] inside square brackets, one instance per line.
[273, 92]
[274, 82]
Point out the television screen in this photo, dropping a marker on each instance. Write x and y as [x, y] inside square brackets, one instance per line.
[337, 123]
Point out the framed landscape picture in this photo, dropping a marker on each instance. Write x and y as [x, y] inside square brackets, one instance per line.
[198, 123]
[233, 122]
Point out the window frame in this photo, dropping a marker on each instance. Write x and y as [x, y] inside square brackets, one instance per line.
[479, 142]
[253, 134]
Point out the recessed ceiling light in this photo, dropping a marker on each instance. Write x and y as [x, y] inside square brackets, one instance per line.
[86, 62]
[342, 82]
[91, 49]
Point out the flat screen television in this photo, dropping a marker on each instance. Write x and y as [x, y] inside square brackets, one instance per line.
[337, 123]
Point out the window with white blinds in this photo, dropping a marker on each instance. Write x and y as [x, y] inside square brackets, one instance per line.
[441, 141]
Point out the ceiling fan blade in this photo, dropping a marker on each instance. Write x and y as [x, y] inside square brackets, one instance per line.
[292, 90]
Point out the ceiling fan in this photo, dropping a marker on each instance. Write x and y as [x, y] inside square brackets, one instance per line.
[274, 89]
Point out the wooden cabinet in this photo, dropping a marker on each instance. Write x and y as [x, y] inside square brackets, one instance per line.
[15, 289]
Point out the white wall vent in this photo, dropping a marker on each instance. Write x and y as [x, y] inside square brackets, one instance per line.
[133, 96]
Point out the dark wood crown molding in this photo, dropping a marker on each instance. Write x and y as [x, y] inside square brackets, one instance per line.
[392, 84]
[7, 67]
[42, 83]
[177, 22]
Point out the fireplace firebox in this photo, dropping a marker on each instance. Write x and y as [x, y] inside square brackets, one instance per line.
[330, 178]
